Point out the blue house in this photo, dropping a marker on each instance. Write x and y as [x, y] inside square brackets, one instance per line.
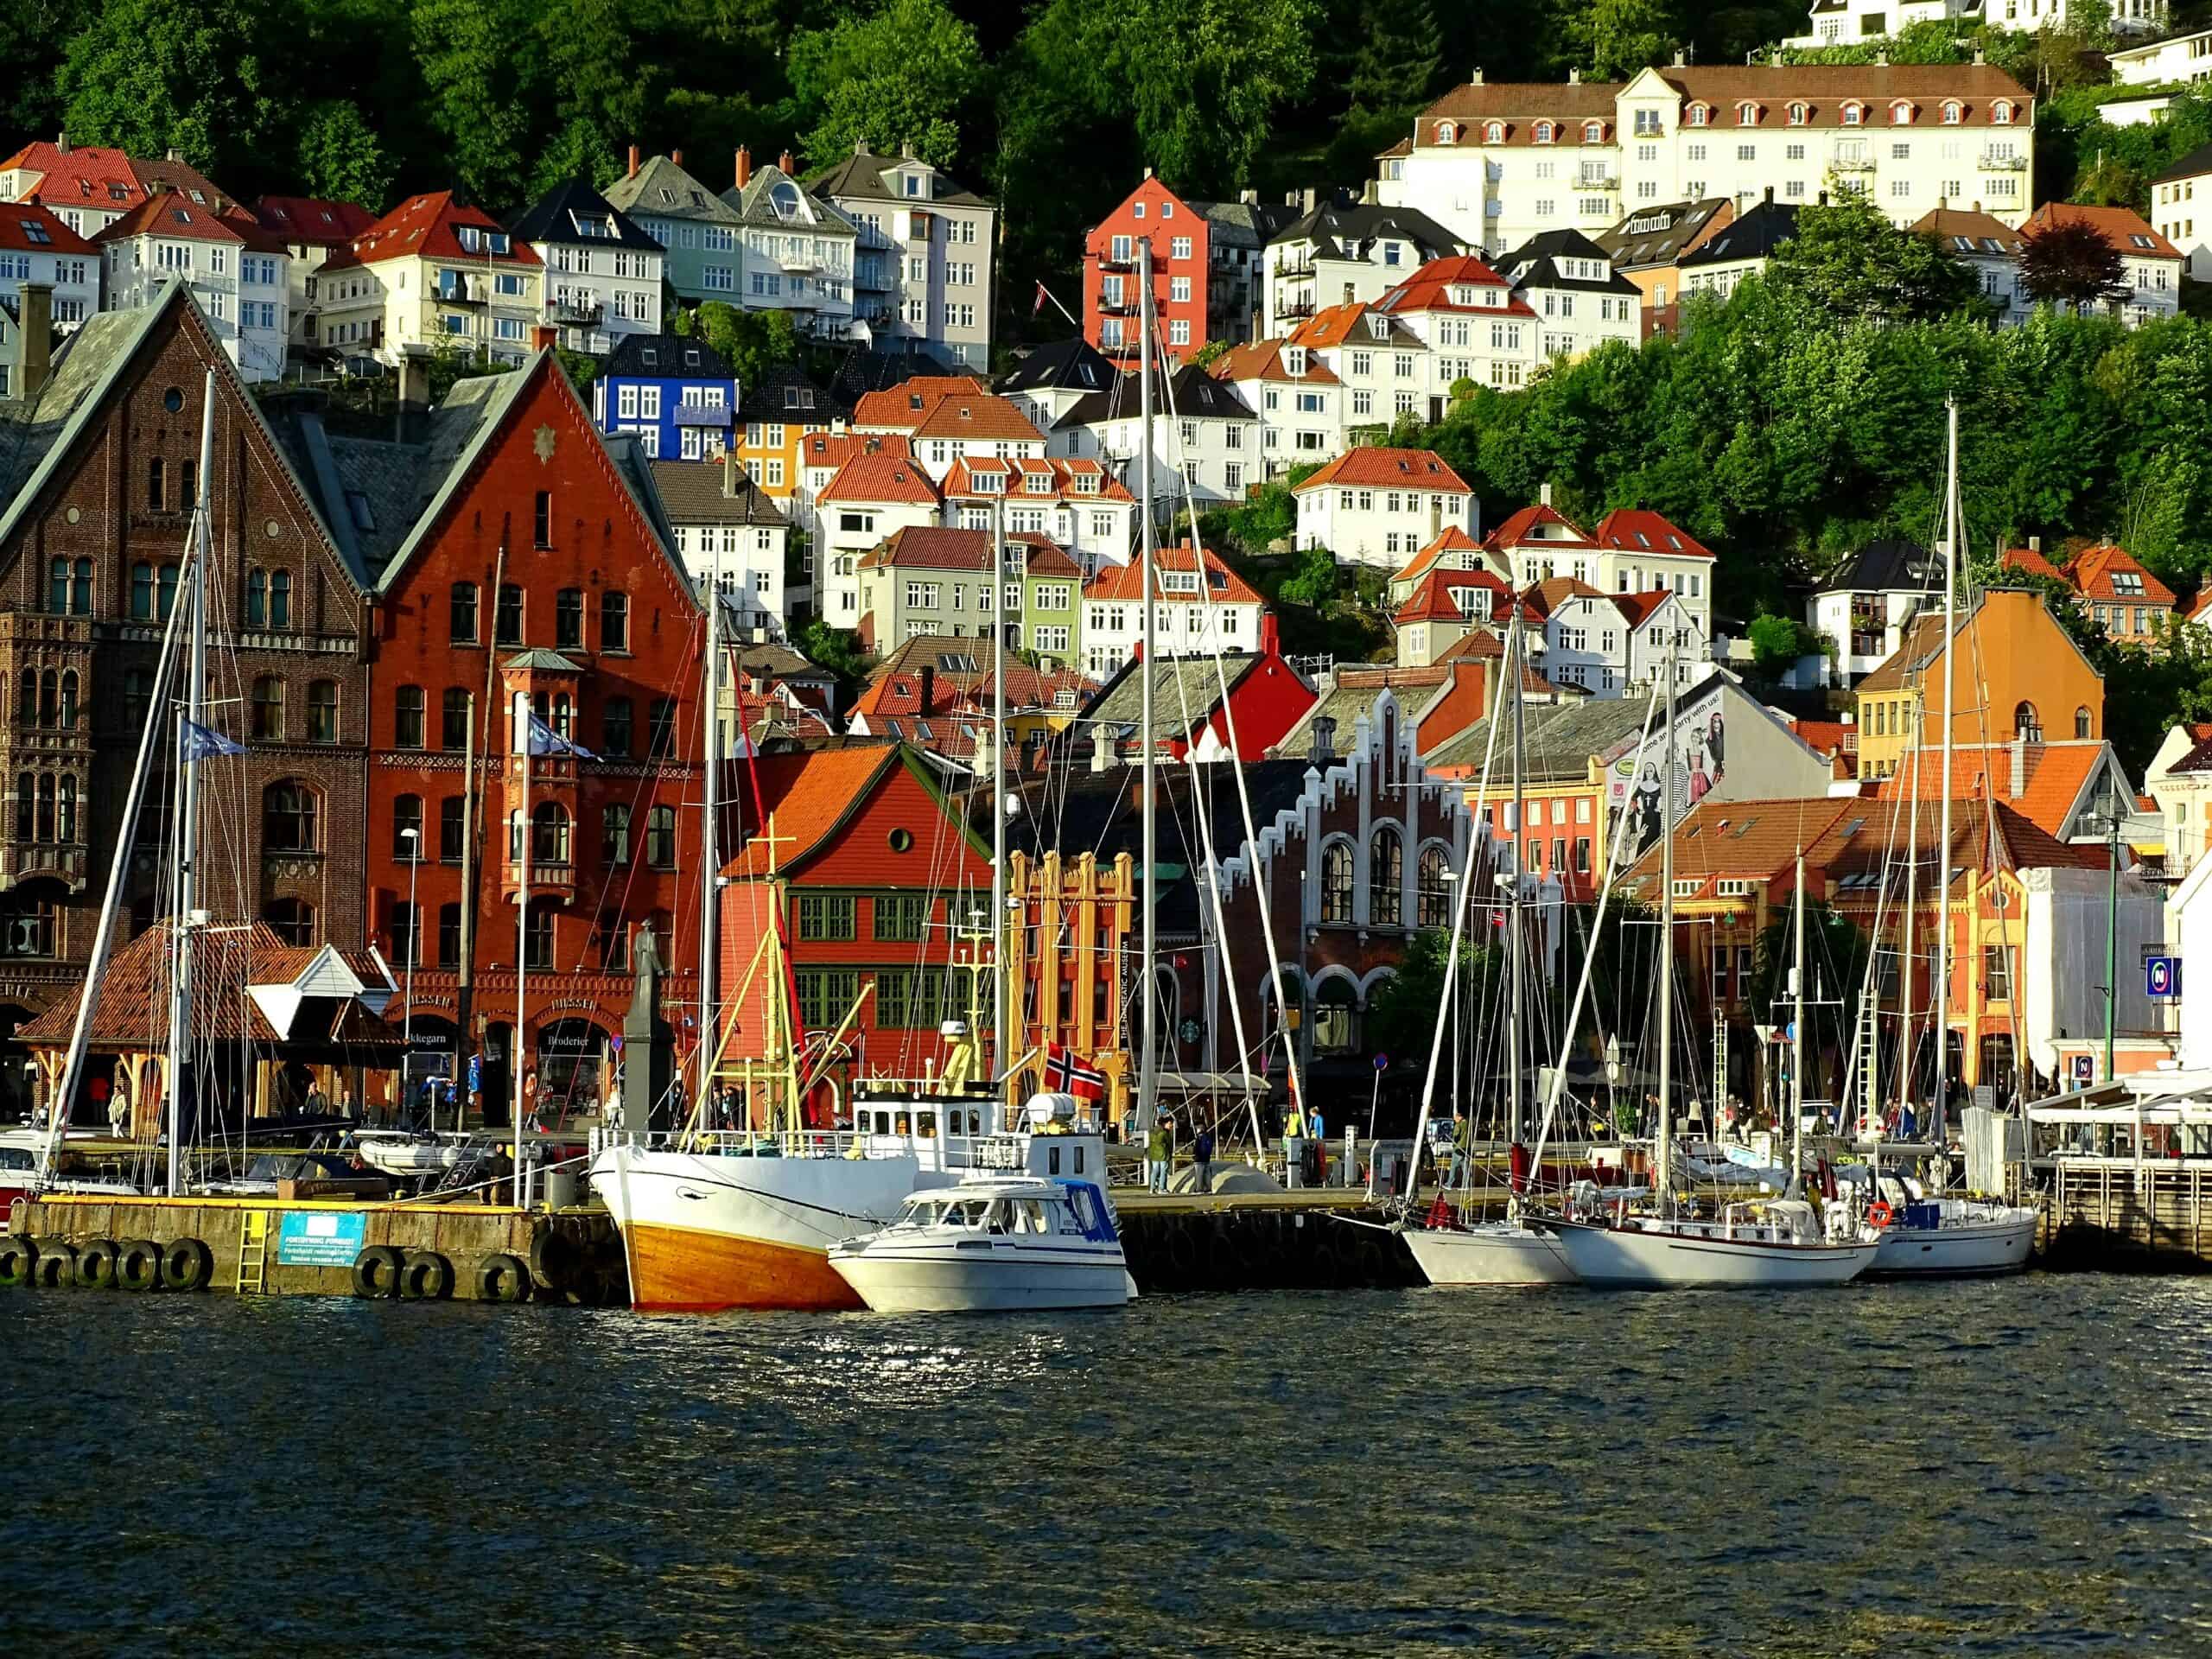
[677, 394]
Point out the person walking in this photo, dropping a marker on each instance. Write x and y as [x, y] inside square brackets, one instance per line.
[1462, 1145]
[1202, 1158]
[1156, 1156]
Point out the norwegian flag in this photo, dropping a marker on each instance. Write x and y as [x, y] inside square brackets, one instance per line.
[1066, 1075]
[1037, 304]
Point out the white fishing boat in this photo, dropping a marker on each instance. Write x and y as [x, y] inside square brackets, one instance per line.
[992, 1244]
[1953, 1238]
[1779, 1244]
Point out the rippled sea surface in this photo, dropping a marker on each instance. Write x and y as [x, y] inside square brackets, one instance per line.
[2023, 1468]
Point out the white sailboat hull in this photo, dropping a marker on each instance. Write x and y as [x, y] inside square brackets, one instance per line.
[1500, 1253]
[1960, 1249]
[984, 1276]
[1631, 1257]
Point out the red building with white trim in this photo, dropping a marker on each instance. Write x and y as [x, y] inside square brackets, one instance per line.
[1181, 239]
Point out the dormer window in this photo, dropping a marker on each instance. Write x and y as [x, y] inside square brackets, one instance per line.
[1799, 114]
[1494, 133]
[1293, 359]
[1546, 131]
[1446, 133]
[1854, 115]
[1594, 132]
[1747, 114]
[1086, 483]
[1901, 113]
[1698, 115]
[2000, 112]
[1954, 112]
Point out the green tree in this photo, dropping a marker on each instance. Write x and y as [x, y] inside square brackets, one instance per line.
[838, 650]
[2071, 264]
[148, 76]
[478, 62]
[1624, 35]
[1315, 578]
[1403, 1011]
[599, 88]
[341, 158]
[1778, 641]
[1847, 261]
[753, 342]
[903, 76]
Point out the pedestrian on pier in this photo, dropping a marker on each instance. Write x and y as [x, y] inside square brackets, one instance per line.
[1156, 1156]
[1202, 1158]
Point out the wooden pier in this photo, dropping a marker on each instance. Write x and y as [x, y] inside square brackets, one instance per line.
[2119, 1214]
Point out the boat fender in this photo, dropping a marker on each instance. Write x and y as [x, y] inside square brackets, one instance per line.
[185, 1264]
[56, 1264]
[96, 1265]
[427, 1277]
[502, 1278]
[1182, 1255]
[138, 1264]
[18, 1261]
[1372, 1271]
[552, 1257]
[377, 1271]
[1323, 1271]
[1879, 1214]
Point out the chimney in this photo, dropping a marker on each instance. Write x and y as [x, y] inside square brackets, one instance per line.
[1679, 62]
[1101, 749]
[1248, 198]
[1478, 75]
[33, 339]
[677, 156]
[743, 172]
[2035, 544]
[1978, 55]
[1770, 193]
[1881, 57]
[1323, 749]
[633, 160]
[1270, 635]
[1977, 205]
[177, 156]
[1147, 174]
[1778, 62]
[1367, 192]
[2019, 778]
[1544, 495]
[61, 143]
[784, 162]
[1306, 198]
[1575, 77]
[929, 685]
[729, 471]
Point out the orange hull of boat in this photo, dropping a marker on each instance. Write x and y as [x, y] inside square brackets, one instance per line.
[675, 1270]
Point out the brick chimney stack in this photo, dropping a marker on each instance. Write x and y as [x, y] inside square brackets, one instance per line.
[633, 160]
[744, 170]
[33, 339]
[784, 162]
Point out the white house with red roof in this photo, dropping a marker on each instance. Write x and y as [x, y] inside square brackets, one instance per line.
[1077, 504]
[1200, 605]
[90, 186]
[1377, 506]
[35, 246]
[312, 229]
[1476, 325]
[1615, 644]
[873, 493]
[949, 418]
[1382, 363]
[433, 274]
[1454, 549]
[1631, 551]
[1298, 397]
[237, 273]
[1443, 608]
[2153, 265]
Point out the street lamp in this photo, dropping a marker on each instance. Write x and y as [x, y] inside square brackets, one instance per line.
[413, 837]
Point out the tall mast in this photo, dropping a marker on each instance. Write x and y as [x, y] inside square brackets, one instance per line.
[518, 713]
[1951, 531]
[1148, 997]
[1911, 903]
[1002, 1007]
[1662, 1183]
[187, 846]
[1797, 1026]
[710, 862]
[1515, 948]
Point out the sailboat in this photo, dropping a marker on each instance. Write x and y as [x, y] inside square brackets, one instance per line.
[1752, 1244]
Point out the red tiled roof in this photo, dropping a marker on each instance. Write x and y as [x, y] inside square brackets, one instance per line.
[2200, 606]
[1027, 690]
[1635, 529]
[1378, 468]
[1826, 736]
[1543, 598]
[312, 220]
[904, 404]
[1126, 581]
[1453, 595]
[930, 547]
[806, 796]
[1516, 529]
[2027, 559]
[1018, 476]
[1638, 609]
[946, 406]
[17, 223]
[1429, 289]
[1262, 361]
[2053, 776]
[1825, 89]
[169, 215]
[2093, 570]
[2123, 227]
[427, 226]
[1520, 104]
[881, 478]
[1450, 539]
[90, 176]
[1475, 645]
[834, 449]
[1331, 326]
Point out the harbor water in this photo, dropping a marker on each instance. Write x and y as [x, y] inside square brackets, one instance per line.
[2018, 1467]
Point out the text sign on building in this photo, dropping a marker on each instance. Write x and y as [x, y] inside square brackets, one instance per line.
[320, 1238]
[2162, 977]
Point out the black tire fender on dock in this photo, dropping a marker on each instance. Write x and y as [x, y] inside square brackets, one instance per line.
[55, 1265]
[426, 1277]
[184, 1264]
[18, 1261]
[377, 1271]
[138, 1264]
[1181, 1254]
[1221, 1268]
[95, 1268]
[502, 1278]
[552, 1256]
[1324, 1268]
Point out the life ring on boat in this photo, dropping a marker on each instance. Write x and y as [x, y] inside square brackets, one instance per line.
[426, 1277]
[1879, 1214]
[377, 1271]
[96, 1266]
[18, 1261]
[54, 1263]
[502, 1278]
[138, 1264]
[185, 1264]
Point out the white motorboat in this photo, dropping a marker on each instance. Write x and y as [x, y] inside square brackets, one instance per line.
[1955, 1239]
[1489, 1253]
[1751, 1246]
[991, 1244]
[404, 1155]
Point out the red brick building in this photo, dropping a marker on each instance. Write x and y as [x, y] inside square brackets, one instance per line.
[1181, 240]
[527, 557]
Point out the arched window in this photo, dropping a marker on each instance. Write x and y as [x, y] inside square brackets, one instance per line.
[323, 711]
[157, 485]
[407, 829]
[1386, 875]
[288, 814]
[1336, 1016]
[460, 613]
[80, 587]
[257, 599]
[613, 621]
[1854, 115]
[26, 919]
[1495, 132]
[26, 806]
[448, 936]
[407, 717]
[1594, 132]
[1901, 113]
[2027, 726]
[1797, 114]
[1747, 114]
[549, 834]
[49, 698]
[268, 708]
[46, 806]
[564, 714]
[660, 837]
[66, 829]
[293, 920]
[1446, 133]
[1698, 115]
[2000, 112]
[68, 696]
[1954, 112]
[1288, 991]
[57, 587]
[453, 718]
[142, 592]
[280, 599]
[2081, 721]
[1545, 132]
[1336, 881]
[1431, 889]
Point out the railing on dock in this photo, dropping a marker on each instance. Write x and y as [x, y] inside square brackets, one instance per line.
[2102, 1207]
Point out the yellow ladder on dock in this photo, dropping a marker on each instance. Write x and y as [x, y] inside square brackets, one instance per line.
[253, 1250]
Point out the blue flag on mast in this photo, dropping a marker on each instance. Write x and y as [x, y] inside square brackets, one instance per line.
[200, 742]
[544, 740]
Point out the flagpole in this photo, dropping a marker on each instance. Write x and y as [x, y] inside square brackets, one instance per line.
[521, 718]
[1044, 294]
